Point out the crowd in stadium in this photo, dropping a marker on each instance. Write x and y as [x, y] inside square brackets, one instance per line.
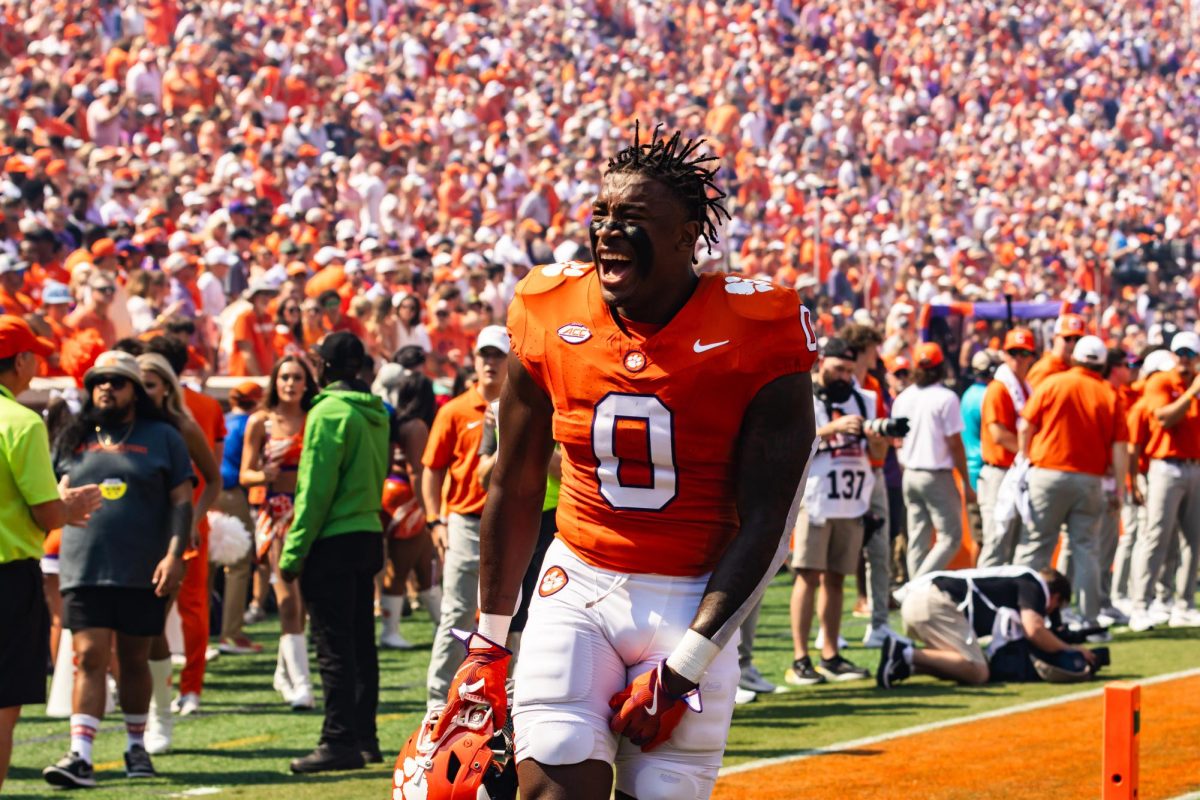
[238, 190]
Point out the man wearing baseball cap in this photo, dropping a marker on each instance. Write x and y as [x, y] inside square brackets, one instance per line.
[30, 506]
[335, 548]
[1068, 329]
[117, 571]
[1003, 402]
[1173, 485]
[931, 451]
[452, 459]
[1074, 435]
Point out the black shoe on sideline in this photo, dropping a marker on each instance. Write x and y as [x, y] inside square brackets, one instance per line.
[138, 764]
[329, 759]
[371, 753]
[842, 669]
[70, 772]
[892, 666]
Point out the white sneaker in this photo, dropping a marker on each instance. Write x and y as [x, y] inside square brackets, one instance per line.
[1184, 618]
[753, 681]
[159, 727]
[1124, 605]
[1141, 621]
[212, 653]
[1160, 612]
[1112, 616]
[876, 636]
[186, 704]
[394, 641]
[819, 644]
[743, 696]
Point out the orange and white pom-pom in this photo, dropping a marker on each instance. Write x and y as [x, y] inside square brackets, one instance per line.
[228, 539]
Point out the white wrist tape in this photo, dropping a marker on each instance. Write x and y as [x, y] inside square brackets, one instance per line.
[495, 627]
[691, 657]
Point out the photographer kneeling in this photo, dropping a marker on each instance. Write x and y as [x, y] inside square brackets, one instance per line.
[950, 611]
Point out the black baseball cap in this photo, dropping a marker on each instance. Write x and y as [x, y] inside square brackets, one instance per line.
[836, 347]
[342, 348]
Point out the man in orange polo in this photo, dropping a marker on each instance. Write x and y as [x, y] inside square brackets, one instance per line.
[1068, 330]
[13, 300]
[1003, 402]
[1074, 435]
[1173, 485]
[451, 458]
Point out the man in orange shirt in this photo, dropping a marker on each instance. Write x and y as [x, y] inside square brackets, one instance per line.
[1003, 402]
[193, 591]
[13, 301]
[92, 313]
[253, 330]
[1067, 332]
[1173, 485]
[1075, 434]
[451, 458]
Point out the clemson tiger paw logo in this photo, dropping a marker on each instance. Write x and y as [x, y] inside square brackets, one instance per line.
[554, 580]
[569, 270]
[736, 285]
[410, 783]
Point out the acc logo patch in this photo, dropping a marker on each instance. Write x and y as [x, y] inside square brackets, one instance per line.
[574, 333]
[554, 580]
[112, 488]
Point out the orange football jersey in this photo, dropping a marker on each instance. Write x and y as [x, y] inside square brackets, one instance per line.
[649, 424]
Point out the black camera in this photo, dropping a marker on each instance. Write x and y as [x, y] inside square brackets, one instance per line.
[894, 428]
[1103, 659]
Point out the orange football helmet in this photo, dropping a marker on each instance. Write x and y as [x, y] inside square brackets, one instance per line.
[472, 760]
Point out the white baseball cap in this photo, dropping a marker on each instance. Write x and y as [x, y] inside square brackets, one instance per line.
[1090, 350]
[493, 336]
[328, 254]
[1185, 340]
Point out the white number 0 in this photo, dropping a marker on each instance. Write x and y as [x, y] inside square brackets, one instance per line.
[660, 432]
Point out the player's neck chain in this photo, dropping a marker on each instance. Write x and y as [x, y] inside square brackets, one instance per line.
[107, 442]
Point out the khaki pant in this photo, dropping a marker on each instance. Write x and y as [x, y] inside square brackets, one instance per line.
[999, 541]
[933, 502]
[1172, 498]
[931, 616]
[237, 576]
[1076, 499]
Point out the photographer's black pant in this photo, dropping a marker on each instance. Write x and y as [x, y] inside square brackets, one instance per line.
[338, 585]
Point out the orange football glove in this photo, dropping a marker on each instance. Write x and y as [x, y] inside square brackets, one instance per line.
[646, 712]
[480, 679]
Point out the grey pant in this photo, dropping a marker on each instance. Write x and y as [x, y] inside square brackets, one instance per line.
[933, 501]
[999, 541]
[878, 552]
[1074, 498]
[1133, 522]
[1107, 535]
[460, 601]
[1172, 498]
[748, 629]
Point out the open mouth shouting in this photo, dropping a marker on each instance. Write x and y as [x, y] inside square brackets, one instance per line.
[615, 267]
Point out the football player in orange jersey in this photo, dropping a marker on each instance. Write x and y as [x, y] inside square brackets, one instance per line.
[683, 406]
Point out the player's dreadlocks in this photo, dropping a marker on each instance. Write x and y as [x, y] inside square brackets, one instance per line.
[672, 162]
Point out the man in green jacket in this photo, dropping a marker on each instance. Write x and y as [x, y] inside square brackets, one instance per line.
[335, 547]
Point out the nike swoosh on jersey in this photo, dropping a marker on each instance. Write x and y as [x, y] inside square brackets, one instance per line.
[475, 424]
[704, 348]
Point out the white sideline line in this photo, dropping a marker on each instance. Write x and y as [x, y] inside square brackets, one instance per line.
[800, 755]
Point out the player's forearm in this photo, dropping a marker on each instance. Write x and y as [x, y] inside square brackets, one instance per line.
[507, 536]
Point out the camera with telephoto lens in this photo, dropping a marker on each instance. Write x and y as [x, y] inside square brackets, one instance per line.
[893, 428]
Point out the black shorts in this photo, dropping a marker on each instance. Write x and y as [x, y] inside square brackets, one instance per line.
[24, 634]
[134, 612]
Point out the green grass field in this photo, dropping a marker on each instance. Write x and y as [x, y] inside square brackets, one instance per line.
[240, 743]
